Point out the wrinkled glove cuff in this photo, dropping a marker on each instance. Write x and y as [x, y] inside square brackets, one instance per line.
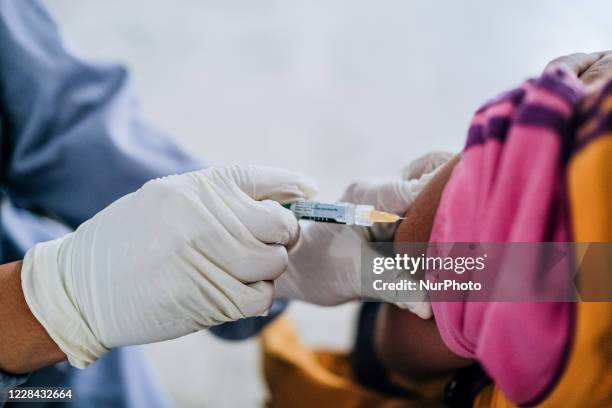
[48, 290]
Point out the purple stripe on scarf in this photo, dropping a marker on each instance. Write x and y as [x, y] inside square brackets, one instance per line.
[604, 126]
[496, 128]
[475, 136]
[514, 96]
[538, 115]
[552, 83]
[592, 110]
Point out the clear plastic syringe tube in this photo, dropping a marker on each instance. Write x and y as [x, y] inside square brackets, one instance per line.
[340, 213]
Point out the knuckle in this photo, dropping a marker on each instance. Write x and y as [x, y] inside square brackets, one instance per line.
[163, 187]
[275, 217]
[271, 264]
[265, 301]
[282, 259]
[281, 223]
[259, 301]
[264, 263]
[174, 201]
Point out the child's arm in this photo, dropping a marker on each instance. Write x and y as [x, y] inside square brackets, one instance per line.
[405, 343]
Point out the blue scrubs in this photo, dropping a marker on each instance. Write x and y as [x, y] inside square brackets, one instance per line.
[72, 142]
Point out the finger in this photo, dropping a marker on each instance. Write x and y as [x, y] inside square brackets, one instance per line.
[391, 196]
[425, 164]
[268, 221]
[283, 227]
[396, 195]
[388, 196]
[259, 301]
[271, 183]
[373, 192]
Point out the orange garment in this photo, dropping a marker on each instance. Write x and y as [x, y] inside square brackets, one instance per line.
[587, 378]
[298, 376]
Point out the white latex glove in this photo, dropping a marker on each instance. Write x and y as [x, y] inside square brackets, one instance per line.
[325, 264]
[425, 164]
[179, 255]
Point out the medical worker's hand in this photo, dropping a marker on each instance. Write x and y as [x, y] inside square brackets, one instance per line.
[324, 265]
[179, 255]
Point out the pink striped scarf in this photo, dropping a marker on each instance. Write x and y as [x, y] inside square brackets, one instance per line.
[510, 187]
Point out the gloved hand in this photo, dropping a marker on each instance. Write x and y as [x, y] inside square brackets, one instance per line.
[324, 265]
[179, 255]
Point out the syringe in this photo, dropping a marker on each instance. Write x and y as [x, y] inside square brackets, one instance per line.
[340, 213]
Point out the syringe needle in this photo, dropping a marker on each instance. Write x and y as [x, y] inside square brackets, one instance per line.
[382, 216]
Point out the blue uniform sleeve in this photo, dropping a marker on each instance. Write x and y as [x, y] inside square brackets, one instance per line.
[72, 138]
[245, 328]
[7, 382]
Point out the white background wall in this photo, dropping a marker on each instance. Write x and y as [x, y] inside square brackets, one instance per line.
[341, 90]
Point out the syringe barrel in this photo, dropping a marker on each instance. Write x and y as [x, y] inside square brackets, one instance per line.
[338, 212]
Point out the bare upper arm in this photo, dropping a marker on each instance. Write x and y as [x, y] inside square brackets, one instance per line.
[404, 342]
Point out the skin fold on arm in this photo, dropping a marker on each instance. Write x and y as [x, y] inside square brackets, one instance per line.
[24, 344]
[406, 344]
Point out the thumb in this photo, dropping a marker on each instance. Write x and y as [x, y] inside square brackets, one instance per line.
[425, 164]
[271, 183]
[255, 193]
[384, 195]
[394, 196]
